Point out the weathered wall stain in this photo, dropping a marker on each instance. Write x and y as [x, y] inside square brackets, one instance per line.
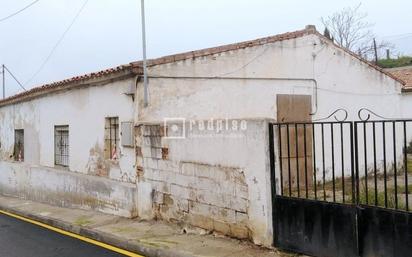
[212, 197]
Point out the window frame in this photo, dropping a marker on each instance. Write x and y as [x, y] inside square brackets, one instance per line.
[19, 157]
[62, 156]
[111, 138]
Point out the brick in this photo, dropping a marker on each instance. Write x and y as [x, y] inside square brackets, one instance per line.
[214, 212]
[165, 153]
[149, 174]
[187, 169]
[214, 198]
[239, 204]
[242, 191]
[201, 170]
[146, 151]
[241, 217]
[167, 165]
[160, 186]
[227, 187]
[185, 181]
[146, 141]
[138, 151]
[183, 192]
[221, 227]
[158, 197]
[200, 221]
[156, 153]
[150, 163]
[146, 130]
[182, 204]
[239, 231]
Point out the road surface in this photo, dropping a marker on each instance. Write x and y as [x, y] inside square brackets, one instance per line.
[22, 239]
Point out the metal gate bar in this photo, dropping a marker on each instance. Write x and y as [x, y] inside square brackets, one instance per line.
[347, 154]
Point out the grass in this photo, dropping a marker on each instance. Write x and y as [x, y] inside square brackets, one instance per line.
[394, 63]
[409, 166]
[380, 197]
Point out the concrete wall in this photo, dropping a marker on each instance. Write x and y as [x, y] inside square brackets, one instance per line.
[84, 110]
[214, 180]
[68, 189]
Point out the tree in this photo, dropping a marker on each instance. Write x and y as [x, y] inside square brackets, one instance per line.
[326, 33]
[350, 29]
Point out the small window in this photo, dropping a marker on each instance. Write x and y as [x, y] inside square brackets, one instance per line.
[127, 134]
[61, 145]
[111, 138]
[19, 145]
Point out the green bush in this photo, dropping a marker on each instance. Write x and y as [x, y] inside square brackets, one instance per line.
[393, 63]
[409, 148]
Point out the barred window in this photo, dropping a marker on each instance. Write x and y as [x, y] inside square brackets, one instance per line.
[61, 145]
[111, 138]
[19, 145]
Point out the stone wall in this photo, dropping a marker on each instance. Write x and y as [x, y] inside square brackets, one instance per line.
[207, 193]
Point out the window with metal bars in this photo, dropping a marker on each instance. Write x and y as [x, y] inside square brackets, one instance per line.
[19, 145]
[111, 138]
[61, 145]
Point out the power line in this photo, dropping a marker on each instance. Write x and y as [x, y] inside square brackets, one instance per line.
[57, 43]
[14, 77]
[19, 11]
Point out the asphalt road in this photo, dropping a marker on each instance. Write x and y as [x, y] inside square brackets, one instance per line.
[21, 239]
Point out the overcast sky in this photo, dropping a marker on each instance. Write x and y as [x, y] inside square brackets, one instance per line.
[107, 32]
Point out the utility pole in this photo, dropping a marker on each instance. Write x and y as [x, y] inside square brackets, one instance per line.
[4, 81]
[146, 102]
[376, 51]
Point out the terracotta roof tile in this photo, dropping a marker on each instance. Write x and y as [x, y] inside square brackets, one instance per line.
[136, 67]
[310, 29]
[63, 84]
[225, 48]
[405, 74]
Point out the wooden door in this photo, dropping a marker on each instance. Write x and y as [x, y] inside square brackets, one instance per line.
[293, 109]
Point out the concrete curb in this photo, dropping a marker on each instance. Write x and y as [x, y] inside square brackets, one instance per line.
[139, 248]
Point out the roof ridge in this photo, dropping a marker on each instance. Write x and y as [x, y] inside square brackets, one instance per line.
[309, 29]
[372, 65]
[65, 82]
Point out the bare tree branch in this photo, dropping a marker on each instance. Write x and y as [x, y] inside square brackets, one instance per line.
[350, 30]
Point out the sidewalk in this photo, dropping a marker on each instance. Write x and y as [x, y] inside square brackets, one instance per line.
[154, 238]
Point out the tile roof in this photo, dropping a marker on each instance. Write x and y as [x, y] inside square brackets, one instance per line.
[405, 74]
[63, 84]
[309, 29]
[136, 67]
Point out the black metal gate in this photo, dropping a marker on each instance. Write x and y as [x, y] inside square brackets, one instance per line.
[342, 188]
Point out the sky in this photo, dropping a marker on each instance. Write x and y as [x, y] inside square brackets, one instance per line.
[107, 33]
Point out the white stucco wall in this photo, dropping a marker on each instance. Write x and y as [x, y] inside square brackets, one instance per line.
[84, 110]
[243, 84]
[342, 81]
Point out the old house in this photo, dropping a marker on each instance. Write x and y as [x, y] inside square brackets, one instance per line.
[405, 74]
[199, 152]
